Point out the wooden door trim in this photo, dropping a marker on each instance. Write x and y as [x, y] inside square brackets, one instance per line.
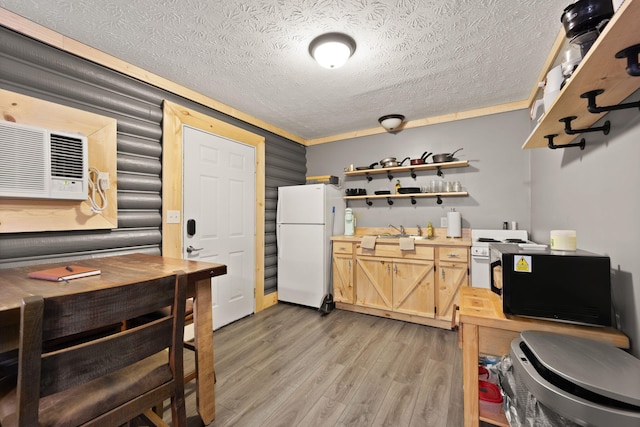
[174, 116]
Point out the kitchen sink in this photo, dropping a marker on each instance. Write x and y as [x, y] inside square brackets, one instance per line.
[397, 236]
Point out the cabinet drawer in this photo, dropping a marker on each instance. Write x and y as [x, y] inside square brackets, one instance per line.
[453, 254]
[342, 247]
[393, 250]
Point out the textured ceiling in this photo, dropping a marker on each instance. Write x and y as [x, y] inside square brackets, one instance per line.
[420, 58]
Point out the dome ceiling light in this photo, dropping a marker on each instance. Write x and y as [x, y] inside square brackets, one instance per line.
[391, 121]
[332, 50]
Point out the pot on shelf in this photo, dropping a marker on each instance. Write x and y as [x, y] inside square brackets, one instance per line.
[422, 160]
[585, 15]
[390, 162]
[444, 157]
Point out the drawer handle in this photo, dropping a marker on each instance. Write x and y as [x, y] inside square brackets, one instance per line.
[453, 256]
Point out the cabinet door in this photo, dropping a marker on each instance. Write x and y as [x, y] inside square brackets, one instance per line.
[373, 282]
[414, 287]
[451, 276]
[343, 278]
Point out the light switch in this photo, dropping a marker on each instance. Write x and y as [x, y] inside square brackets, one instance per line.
[173, 217]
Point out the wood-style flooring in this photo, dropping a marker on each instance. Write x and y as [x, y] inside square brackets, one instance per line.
[290, 366]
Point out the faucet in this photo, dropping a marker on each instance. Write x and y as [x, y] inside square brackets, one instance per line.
[401, 229]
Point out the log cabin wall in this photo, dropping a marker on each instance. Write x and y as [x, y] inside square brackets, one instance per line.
[35, 69]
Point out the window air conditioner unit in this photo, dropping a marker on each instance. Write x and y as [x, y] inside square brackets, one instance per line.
[41, 163]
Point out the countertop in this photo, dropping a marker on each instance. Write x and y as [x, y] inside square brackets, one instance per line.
[440, 236]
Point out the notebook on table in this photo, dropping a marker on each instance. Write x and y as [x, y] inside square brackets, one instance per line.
[58, 274]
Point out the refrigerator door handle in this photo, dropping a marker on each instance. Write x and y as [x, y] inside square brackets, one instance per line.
[278, 209]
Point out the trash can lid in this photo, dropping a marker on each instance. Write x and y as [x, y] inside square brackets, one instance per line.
[594, 365]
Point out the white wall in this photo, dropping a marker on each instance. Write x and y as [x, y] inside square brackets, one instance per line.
[497, 179]
[595, 192]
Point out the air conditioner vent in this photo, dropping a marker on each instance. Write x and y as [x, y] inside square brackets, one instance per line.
[66, 156]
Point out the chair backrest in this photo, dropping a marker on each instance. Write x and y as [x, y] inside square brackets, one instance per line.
[73, 362]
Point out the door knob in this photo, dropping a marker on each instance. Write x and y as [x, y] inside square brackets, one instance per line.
[192, 249]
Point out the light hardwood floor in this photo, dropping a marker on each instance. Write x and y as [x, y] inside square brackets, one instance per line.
[290, 366]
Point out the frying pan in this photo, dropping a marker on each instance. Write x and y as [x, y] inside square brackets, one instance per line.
[444, 157]
[422, 160]
[408, 190]
[392, 163]
[371, 166]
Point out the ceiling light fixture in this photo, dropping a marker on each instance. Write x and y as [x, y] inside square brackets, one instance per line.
[391, 121]
[332, 50]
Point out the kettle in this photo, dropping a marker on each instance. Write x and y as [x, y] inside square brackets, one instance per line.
[349, 222]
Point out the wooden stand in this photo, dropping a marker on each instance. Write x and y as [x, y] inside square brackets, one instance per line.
[485, 329]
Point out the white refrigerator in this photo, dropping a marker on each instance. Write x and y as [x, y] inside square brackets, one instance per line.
[307, 217]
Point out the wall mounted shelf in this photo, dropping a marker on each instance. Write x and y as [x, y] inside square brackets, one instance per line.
[600, 69]
[411, 169]
[413, 196]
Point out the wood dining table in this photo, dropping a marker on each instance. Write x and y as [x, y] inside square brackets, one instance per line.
[117, 271]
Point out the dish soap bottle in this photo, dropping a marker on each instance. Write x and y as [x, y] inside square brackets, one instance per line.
[398, 187]
[429, 231]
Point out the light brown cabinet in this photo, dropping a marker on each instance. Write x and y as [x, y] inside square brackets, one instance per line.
[343, 272]
[413, 287]
[375, 282]
[419, 286]
[402, 286]
[452, 274]
[343, 279]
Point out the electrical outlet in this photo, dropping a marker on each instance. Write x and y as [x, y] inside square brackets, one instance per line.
[444, 223]
[103, 180]
[173, 217]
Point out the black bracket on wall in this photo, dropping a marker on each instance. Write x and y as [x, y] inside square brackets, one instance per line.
[440, 172]
[368, 202]
[631, 53]
[593, 108]
[551, 145]
[413, 200]
[439, 201]
[389, 175]
[369, 177]
[389, 201]
[567, 127]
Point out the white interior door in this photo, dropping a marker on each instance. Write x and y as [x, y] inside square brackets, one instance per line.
[219, 202]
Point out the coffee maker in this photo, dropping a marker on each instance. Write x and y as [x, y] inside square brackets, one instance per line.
[349, 222]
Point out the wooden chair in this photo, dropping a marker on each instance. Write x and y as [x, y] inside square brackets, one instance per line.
[188, 320]
[100, 382]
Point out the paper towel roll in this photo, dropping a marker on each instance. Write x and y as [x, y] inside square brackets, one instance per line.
[454, 224]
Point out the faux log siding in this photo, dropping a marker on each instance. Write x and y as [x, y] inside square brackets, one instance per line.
[38, 70]
[285, 164]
